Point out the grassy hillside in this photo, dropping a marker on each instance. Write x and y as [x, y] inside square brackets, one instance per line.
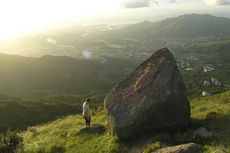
[61, 83]
[63, 135]
[18, 113]
[37, 90]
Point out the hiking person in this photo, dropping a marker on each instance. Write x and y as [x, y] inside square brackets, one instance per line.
[86, 112]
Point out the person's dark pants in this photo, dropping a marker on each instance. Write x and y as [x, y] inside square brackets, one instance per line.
[87, 120]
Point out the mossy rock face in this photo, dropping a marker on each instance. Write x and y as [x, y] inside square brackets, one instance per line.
[152, 97]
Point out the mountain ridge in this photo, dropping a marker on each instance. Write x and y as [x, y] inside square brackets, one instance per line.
[187, 25]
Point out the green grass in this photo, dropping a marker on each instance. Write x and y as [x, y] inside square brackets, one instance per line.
[63, 135]
[152, 147]
[220, 124]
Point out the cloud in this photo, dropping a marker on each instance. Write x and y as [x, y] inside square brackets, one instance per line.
[87, 54]
[173, 1]
[139, 3]
[217, 2]
[51, 40]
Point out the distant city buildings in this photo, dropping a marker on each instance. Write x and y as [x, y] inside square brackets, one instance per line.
[208, 69]
[205, 93]
[206, 83]
[216, 82]
[189, 69]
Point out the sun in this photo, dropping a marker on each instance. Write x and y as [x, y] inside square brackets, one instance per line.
[23, 16]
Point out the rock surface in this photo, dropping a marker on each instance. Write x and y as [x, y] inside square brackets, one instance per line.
[203, 133]
[97, 128]
[219, 151]
[152, 97]
[185, 148]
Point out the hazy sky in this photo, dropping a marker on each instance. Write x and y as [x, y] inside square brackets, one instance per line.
[19, 16]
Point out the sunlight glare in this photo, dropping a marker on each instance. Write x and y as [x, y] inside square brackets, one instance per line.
[18, 17]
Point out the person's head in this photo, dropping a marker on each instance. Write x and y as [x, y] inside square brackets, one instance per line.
[88, 99]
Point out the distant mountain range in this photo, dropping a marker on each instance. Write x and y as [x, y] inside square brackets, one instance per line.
[112, 41]
[189, 25]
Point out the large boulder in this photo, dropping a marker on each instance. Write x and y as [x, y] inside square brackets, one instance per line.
[152, 97]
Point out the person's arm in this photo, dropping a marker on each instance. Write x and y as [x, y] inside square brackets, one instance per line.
[83, 109]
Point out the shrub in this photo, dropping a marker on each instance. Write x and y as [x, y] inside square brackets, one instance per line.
[57, 149]
[10, 142]
[152, 147]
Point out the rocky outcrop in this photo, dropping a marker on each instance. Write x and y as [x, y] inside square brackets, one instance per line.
[219, 151]
[152, 97]
[97, 128]
[184, 148]
[202, 132]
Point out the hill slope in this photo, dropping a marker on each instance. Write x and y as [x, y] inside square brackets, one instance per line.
[61, 135]
[59, 74]
[37, 90]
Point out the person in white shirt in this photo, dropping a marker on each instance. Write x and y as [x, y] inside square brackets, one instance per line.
[86, 112]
